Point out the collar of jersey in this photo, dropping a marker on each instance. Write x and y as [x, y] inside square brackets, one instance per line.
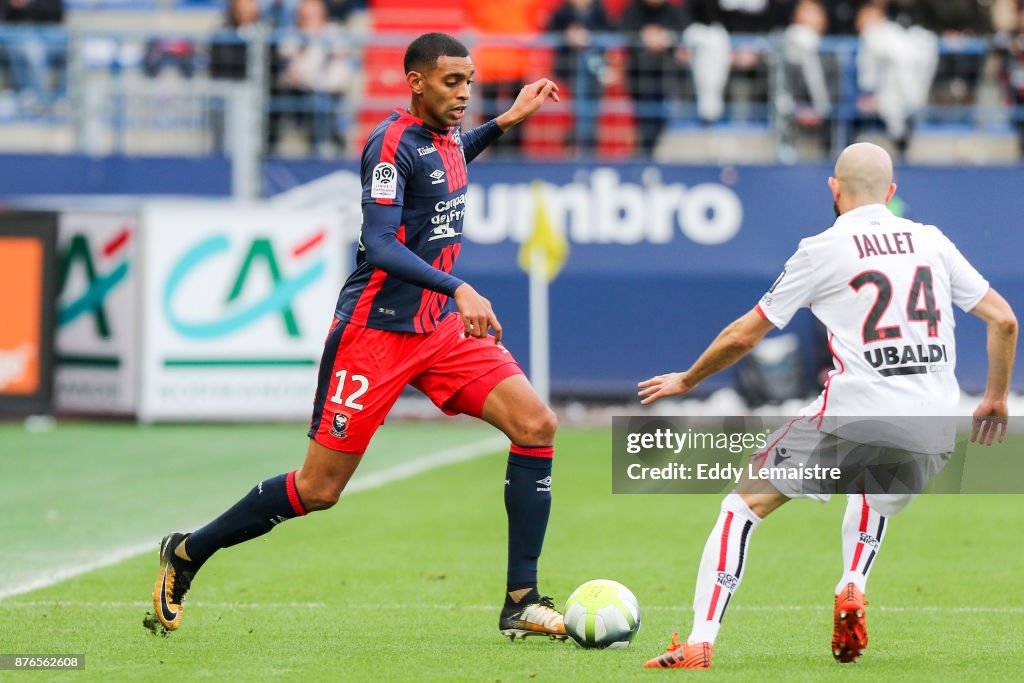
[405, 113]
[866, 211]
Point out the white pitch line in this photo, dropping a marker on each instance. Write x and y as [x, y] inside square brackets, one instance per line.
[109, 604]
[411, 468]
[373, 480]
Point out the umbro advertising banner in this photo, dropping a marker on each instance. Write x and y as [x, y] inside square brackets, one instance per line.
[97, 300]
[28, 242]
[661, 256]
[236, 303]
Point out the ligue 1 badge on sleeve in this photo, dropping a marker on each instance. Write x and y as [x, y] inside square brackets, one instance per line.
[385, 181]
[338, 425]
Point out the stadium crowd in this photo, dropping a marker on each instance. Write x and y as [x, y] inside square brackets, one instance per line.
[878, 65]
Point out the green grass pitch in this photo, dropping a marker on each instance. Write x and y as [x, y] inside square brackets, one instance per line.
[403, 581]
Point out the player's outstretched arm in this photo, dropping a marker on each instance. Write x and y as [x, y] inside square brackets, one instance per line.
[732, 343]
[530, 99]
[990, 417]
[477, 314]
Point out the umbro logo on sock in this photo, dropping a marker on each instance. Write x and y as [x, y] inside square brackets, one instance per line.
[545, 484]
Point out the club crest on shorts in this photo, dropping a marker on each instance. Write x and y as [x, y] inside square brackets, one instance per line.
[339, 423]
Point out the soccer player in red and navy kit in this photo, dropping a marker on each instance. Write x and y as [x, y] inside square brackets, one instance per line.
[403, 319]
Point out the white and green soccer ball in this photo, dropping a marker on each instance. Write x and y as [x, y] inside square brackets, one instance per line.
[602, 613]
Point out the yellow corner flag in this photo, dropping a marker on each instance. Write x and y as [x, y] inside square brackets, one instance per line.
[544, 236]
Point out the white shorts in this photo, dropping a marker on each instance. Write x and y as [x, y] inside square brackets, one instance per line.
[889, 477]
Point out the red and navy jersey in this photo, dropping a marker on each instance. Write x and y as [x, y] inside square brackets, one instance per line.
[414, 194]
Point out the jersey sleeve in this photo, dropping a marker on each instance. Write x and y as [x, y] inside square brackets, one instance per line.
[386, 165]
[477, 140]
[967, 285]
[793, 290]
[383, 247]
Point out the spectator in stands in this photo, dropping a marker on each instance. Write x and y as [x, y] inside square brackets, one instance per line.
[503, 62]
[842, 16]
[895, 68]
[579, 65]
[954, 18]
[653, 62]
[711, 55]
[955, 21]
[807, 94]
[344, 11]
[31, 56]
[229, 54]
[314, 70]
[1008, 20]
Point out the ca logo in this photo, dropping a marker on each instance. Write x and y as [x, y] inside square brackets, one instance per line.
[277, 302]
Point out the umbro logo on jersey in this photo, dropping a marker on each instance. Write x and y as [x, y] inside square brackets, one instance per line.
[545, 484]
[424, 151]
[438, 177]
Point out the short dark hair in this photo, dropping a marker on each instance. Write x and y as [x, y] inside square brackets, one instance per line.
[423, 53]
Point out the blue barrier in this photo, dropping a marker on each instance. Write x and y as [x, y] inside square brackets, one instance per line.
[662, 256]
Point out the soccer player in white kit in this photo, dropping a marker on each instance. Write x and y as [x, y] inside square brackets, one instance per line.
[884, 287]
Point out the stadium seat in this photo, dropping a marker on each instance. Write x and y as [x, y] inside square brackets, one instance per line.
[414, 16]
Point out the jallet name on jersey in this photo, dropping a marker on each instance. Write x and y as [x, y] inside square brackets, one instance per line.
[880, 245]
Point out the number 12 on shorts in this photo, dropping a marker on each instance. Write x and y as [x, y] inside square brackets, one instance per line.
[352, 400]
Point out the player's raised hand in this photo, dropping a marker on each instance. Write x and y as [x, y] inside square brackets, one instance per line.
[477, 314]
[990, 418]
[672, 384]
[531, 98]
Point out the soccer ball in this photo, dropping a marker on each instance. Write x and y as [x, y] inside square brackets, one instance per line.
[602, 613]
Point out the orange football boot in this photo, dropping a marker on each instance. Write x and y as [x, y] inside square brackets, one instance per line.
[850, 629]
[683, 656]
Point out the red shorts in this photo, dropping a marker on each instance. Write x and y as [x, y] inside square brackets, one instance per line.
[363, 372]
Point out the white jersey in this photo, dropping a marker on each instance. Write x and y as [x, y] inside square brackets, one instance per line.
[884, 287]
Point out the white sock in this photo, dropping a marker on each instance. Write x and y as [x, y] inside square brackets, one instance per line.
[863, 529]
[721, 567]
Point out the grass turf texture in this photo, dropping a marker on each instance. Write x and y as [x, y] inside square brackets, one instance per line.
[404, 582]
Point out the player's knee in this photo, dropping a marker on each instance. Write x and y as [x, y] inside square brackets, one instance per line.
[538, 429]
[322, 499]
[319, 495]
[761, 504]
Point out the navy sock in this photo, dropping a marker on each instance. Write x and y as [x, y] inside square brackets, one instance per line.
[528, 504]
[270, 502]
